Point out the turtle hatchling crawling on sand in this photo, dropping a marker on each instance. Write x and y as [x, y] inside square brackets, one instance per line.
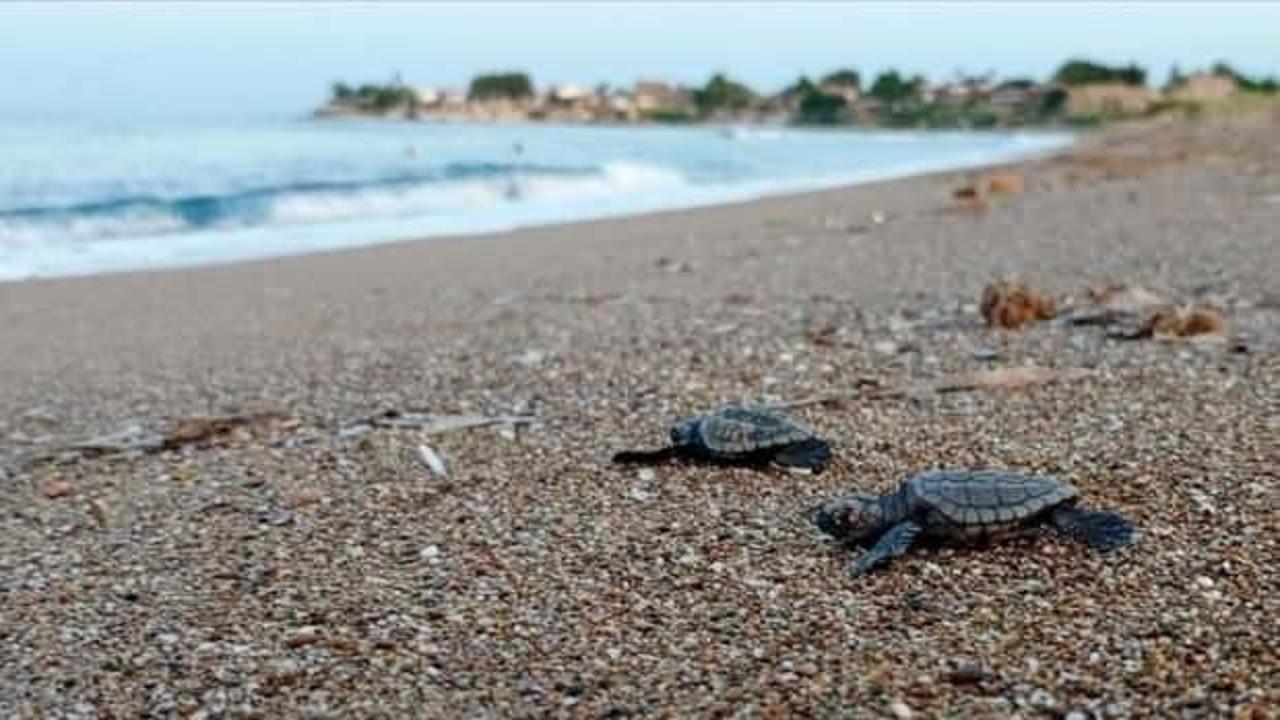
[963, 506]
[740, 435]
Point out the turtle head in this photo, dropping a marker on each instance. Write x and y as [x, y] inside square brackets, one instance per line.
[851, 518]
[684, 432]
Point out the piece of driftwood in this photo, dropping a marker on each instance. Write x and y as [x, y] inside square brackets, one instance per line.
[182, 432]
[128, 439]
[429, 423]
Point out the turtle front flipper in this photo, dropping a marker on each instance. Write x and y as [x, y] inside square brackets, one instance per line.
[896, 541]
[647, 457]
[811, 454]
[1103, 531]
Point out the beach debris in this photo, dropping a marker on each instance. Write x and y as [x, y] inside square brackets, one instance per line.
[1180, 323]
[135, 438]
[432, 460]
[739, 435]
[1118, 297]
[963, 506]
[207, 430]
[131, 438]
[430, 424]
[1121, 309]
[1010, 304]
[1131, 312]
[201, 429]
[1005, 182]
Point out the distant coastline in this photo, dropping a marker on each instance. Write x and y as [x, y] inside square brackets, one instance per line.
[1081, 93]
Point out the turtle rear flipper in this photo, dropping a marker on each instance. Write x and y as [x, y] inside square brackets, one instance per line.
[811, 454]
[1099, 530]
[647, 457]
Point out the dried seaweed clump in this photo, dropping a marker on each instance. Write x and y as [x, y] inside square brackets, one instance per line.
[1184, 322]
[1011, 304]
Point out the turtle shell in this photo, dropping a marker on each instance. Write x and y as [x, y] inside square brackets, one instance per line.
[985, 502]
[738, 430]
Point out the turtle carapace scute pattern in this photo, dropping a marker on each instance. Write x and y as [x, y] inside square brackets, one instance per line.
[963, 506]
[739, 435]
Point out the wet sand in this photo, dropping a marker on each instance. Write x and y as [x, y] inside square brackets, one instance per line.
[287, 569]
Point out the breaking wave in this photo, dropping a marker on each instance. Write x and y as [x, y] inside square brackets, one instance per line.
[448, 189]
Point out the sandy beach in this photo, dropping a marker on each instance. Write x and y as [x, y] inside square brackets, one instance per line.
[286, 567]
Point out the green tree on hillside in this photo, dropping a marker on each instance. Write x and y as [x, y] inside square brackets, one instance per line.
[798, 89]
[1176, 78]
[1266, 85]
[819, 108]
[1086, 72]
[845, 77]
[720, 93]
[890, 87]
[1016, 84]
[1054, 102]
[342, 92]
[374, 97]
[501, 86]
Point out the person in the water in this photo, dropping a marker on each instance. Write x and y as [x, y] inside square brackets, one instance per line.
[513, 192]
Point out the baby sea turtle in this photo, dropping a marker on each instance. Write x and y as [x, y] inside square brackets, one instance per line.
[963, 506]
[739, 435]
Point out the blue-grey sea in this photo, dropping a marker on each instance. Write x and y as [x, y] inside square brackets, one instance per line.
[79, 199]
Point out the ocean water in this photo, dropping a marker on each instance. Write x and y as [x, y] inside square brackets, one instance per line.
[90, 199]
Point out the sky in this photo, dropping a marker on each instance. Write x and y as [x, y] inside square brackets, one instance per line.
[254, 59]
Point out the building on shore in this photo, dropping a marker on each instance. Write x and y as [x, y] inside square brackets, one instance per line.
[847, 92]
[1016, 98]
[1111, 99]
[651, 96]
[1204, 87]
